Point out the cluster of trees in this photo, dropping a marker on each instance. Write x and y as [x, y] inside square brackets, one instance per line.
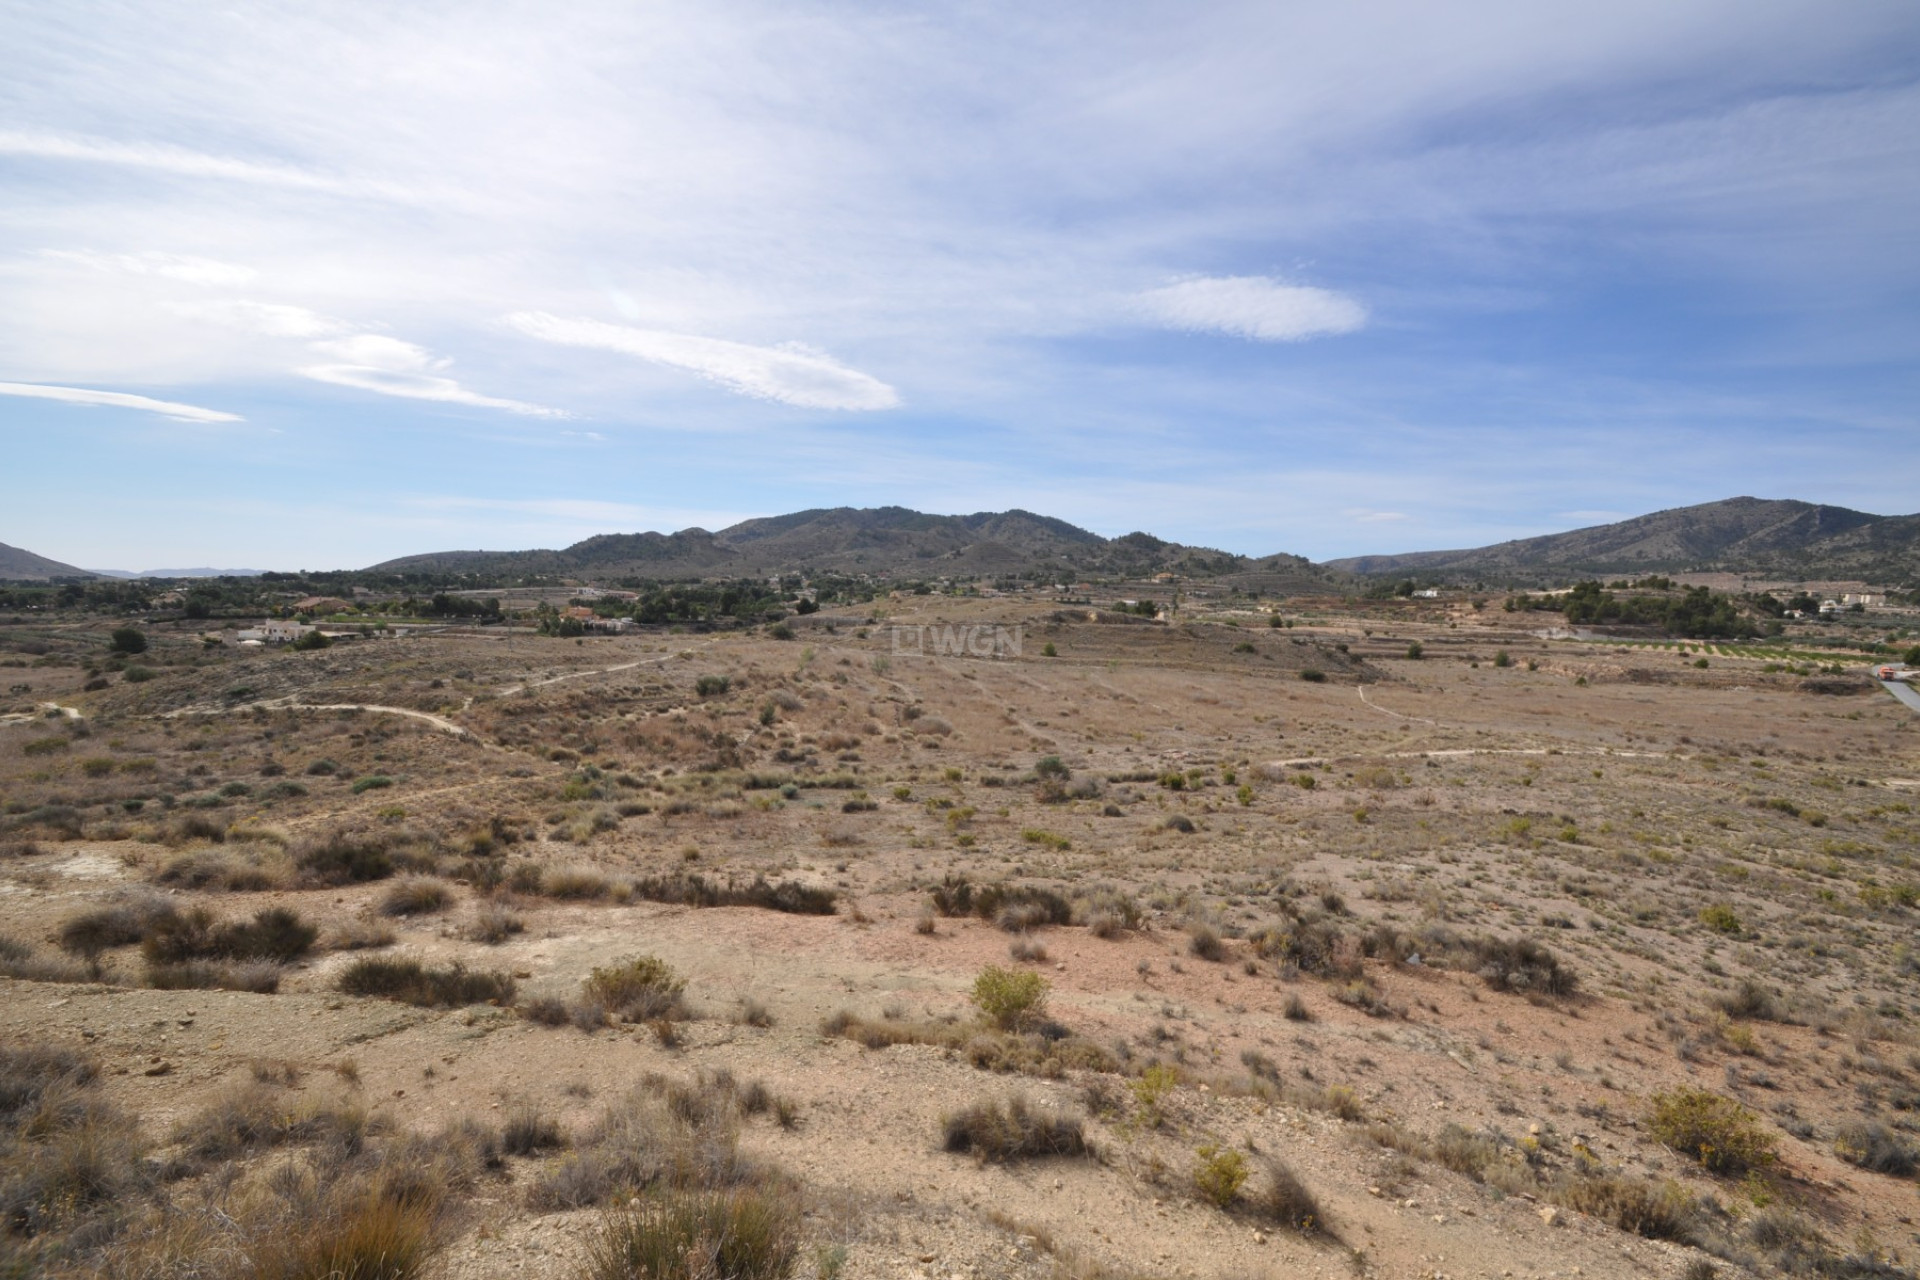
[1695, 612]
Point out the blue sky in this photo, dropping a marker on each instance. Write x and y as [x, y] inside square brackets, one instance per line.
[293, 285]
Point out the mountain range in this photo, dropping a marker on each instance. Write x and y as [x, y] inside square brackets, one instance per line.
[883, 540]
[1742, 535]
[1779, 537]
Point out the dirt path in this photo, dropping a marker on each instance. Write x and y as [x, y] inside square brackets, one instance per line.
[287, 704]
[40, 713]
[1395, 714]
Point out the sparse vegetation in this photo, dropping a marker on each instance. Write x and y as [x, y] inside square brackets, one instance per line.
[1012, 1130]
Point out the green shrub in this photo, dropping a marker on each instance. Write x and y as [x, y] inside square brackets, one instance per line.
[1313, 675]
[1219, 1173]
[1720, 918]
[372, 782]
[712, 686]
[1010, 998]
[45, 746]
[128, 640]
[137, 675]
[1722, 1135]
[1500, 658]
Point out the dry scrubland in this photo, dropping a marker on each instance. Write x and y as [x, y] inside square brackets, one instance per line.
[726, 955]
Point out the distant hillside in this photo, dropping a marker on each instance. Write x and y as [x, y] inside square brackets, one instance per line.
[17, 565]
[179, 573]
[883, 541]
[1738, 534]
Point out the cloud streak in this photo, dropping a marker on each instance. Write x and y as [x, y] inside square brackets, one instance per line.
[391, 367]
[791, 374]
[1254, 307]
[187, 163]
[117, 400]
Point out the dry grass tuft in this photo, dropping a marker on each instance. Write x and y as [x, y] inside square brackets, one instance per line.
[1013, 1130]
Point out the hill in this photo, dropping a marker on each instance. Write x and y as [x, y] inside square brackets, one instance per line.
[19, 565]
[1737, 534]
[882, 541]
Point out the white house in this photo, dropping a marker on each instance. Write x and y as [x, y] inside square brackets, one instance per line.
[273, 631]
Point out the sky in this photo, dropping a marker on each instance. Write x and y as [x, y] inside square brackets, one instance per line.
[286, 285]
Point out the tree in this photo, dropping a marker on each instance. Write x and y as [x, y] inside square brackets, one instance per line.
[312, 640]
[129, 640]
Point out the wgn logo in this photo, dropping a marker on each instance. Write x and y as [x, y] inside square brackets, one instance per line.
[982, 640]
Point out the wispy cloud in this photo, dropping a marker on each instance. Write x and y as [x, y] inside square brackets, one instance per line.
[118, 400]
[391, 367]
[1252, 307]
[185, 162]
[272, 319]
[169, 266]
[1363, 515]
[790, 374]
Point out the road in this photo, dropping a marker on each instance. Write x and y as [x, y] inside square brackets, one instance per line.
[1903, 691]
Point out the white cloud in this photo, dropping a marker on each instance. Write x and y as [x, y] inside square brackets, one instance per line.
[1252, 307]
[273, 319]
[189, 163]
[419, 386]
[117, 400]
[790, 374]
[1365, 515]
[168, 266]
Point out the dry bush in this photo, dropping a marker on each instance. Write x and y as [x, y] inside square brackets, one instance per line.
[1108, 913]
[256, 1116]
[1750, 1001]
[410, 982]
[1653, 1210]
[1013, 1130]
[528, 1129]
[548, 1011]
[662, 1136]
[576, 884]
[120, 925]
[18, 960]
[1205, 943]
[359, 1237]
[493, 924]
[1284, 1199]
[640, 989]
[251, 872]
[693, 890]
[1016, 907]
[415, 897]
[68, 1159]
[341, 858]
[747, 1233]
[274, 933]
[1875, 1147]
[361, 935]
[259, 977]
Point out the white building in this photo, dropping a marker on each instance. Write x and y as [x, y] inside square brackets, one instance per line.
[274, 631]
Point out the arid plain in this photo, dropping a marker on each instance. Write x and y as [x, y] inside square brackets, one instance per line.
[1211, 949]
